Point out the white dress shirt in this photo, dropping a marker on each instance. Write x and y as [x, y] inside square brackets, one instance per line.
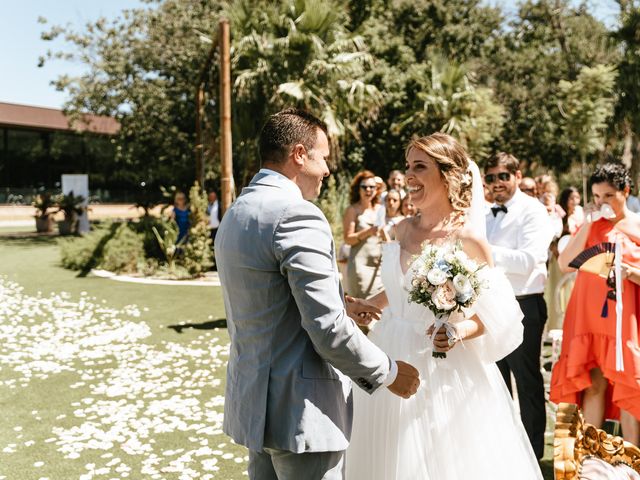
[213, 215]
[520, 242]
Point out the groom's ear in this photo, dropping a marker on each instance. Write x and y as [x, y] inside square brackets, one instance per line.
[298, 154]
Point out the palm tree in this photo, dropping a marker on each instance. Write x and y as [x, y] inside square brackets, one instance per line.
[298, 53]
[449, 102]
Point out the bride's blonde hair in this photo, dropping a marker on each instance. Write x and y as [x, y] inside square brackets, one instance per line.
[453, 161]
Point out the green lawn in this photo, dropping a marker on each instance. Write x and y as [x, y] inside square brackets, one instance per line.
[102, 379]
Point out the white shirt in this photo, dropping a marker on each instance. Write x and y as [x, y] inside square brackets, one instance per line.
[520, 242]
[213, 215]
[291, 185]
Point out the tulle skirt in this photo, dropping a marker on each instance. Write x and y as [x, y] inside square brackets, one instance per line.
[461, 424]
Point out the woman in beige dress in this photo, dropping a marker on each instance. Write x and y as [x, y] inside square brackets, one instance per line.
[361, 233]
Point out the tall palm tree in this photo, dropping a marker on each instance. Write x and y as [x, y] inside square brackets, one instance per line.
[448, 101]
[298, 53]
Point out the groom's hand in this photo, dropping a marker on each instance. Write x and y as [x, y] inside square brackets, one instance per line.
[361, 311]
[407, 381]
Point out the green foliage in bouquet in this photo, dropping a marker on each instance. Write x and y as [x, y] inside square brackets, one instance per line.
[197, 255]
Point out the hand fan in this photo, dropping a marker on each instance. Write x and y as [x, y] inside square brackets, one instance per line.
[597, 259]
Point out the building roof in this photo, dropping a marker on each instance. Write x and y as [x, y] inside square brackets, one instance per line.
[40, 118]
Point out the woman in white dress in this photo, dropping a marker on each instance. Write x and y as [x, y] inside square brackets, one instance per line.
[462, 423]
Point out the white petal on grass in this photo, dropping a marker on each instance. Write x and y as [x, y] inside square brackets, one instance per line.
[136, 391]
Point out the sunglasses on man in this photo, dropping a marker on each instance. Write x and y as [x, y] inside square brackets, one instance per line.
[489, 178]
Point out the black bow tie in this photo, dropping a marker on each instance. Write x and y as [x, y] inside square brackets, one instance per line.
[499, 208]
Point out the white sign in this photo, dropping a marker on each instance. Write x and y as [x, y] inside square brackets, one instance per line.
[79, 185]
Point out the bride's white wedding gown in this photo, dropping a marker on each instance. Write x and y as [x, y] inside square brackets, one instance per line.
[461, 424]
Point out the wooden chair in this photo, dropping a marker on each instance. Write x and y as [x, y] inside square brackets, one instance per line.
[577, 444]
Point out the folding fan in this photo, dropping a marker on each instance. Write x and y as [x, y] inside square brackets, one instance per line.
[597, 259]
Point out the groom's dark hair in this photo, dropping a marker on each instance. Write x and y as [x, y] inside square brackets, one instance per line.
[285, 129]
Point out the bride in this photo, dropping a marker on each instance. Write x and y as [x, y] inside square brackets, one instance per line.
[462, 423]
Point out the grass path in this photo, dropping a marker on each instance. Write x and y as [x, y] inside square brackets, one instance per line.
[100, 379]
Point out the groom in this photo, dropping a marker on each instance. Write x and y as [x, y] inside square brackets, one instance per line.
[292, 343]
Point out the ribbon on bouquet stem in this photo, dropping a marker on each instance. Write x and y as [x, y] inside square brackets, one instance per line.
[450, 329]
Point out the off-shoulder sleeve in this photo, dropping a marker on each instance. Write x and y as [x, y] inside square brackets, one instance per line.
[501, 316]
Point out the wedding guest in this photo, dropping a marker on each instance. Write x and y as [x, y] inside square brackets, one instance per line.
[528, 186]
[519, 233]
[180, 214]
[586, 372]
[541, 180]
[396, 181]
[570, 203]
[215, 214]
[381, 188]
[555, 214]
[361, 233]
[407, 208]
[548, 186]
[554, 275]
[633, 202]
[393, 213]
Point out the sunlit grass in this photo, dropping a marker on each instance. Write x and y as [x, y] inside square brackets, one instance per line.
[100, 379]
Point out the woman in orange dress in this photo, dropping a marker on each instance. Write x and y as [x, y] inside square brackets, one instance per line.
[586, 372]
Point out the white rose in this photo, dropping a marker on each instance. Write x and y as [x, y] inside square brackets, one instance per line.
[444, 297]
[462, 284]
[436, 276]
[449, 258]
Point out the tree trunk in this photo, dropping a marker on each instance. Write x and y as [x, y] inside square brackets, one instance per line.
[635, 163]
[583, 164]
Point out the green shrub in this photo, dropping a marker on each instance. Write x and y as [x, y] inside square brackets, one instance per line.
[333, 201]
[124, 251]
[85, 252]
[145, 226]
[197, 256]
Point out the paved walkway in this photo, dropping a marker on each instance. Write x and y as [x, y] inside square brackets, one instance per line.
[23, 215]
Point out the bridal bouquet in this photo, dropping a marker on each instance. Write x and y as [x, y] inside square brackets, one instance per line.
[445, 280]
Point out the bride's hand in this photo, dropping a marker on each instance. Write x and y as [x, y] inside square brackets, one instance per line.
[363, 312]
[441, 342]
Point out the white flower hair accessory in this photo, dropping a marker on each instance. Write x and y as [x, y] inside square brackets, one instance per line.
[467, 178]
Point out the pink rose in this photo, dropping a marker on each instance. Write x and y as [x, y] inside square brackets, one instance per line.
[444, 297]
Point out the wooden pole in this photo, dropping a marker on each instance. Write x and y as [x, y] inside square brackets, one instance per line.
[199, 145]
[225, 114]
[199, 117]
[583, 164]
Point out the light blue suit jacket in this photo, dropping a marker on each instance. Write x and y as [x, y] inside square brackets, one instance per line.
[291, 341]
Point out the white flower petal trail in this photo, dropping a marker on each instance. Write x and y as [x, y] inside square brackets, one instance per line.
[138, 392]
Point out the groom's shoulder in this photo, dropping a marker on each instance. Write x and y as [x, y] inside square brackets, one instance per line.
[302, 210]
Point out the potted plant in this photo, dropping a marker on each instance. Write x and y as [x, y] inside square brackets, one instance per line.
[44, 217]
[72, 207]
